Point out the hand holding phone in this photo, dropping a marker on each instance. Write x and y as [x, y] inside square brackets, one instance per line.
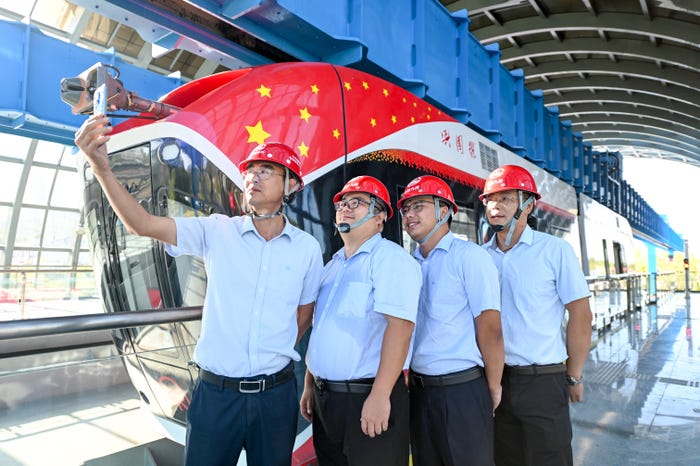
[99, 98]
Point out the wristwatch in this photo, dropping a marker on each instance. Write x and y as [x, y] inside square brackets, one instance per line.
[571, 380]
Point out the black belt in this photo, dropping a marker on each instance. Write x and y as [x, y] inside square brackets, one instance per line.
[535, 369]
[361, 386]
[455, 378]
[255, 384]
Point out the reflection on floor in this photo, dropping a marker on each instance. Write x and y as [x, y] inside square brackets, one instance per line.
[642, 403]
[642, 399]
[71, 430]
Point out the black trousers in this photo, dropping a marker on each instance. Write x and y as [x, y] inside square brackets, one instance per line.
[532, 424]
[338, 437]
[452, 425]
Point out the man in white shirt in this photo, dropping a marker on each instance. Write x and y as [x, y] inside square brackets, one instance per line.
[263, 278]
[541, 278]
[458, 350]
[355, 392]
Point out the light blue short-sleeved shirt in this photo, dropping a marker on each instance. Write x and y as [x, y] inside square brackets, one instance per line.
[254, 286]
[460, 281]
[381, 278]
[539, 276]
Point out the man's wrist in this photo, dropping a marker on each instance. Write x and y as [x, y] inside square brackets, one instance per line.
[573, 381]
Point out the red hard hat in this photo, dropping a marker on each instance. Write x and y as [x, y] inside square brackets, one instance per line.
[369, 185]
[428, 185]
[509, 177]
[278, 153]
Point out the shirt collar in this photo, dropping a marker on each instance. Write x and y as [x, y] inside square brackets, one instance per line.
[527, 237]
[366, 247]
[445, 243]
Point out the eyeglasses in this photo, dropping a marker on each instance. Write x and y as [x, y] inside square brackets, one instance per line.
[414, 207]
[504, 199]
[263, 173]
[351, 204]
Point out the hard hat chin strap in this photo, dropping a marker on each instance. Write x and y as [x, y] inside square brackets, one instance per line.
[346, 227]
[255, 216]
[521, 206]
[440, 221]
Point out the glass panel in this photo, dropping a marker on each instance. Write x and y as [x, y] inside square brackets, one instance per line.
[191, 274]
[29, 227]
[69, 159]
[48, 152]
[84, 259]
[138, 269]
[60, 229]
[99, 29]
[60, 15]
[56, 258]
[14, 146]
[25, 257]
[5, 214]
[68, 190]
[11, 173]
[38, 186]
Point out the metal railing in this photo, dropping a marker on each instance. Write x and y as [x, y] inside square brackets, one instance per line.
[94, 322]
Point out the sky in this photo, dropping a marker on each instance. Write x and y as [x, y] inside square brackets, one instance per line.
[671, 189]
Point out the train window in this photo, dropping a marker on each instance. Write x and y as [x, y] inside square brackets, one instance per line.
[137, 265]
[620, 262]
[463, 225]
[191, 278]
[138, 270]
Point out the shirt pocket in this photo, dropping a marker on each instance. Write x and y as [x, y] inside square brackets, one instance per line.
[355, 300]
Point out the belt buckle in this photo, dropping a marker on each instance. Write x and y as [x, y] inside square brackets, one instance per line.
[320, 384]
[259, 386]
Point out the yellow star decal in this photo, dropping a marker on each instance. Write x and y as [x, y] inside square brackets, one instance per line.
[314, 89]
[430, 109]
[413, 120]
[373, 122]
[393, 119]
[257, 133]
[304, 114]
[385, 92]
[415, 104]
[347, 86]
[264, 91]
[403, 99]
[336, 133]
[428, 117]
[303, 149]
[365, 85]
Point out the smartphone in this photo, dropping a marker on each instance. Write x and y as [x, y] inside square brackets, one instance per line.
[99, 98]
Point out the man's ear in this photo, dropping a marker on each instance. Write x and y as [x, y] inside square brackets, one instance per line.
[444, 209]
[531, 206]
[293, 183]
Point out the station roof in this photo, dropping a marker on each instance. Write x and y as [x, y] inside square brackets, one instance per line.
[626, 73]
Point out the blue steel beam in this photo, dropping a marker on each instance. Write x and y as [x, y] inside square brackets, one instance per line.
[32, 67]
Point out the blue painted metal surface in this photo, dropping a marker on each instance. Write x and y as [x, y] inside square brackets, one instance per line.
[32, 67]
[418, 45]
